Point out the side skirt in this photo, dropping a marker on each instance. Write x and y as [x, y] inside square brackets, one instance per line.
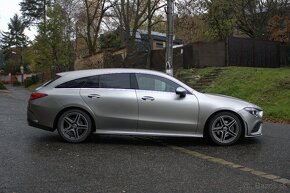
[110, 132]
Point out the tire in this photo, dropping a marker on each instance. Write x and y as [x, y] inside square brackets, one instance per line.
[74, 126]
[225, 128]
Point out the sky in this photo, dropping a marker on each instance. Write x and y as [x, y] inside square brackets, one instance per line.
[8, 8]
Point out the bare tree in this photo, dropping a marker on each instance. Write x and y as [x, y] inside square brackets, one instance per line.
[69, 12]
[152, 8]
[131, 15]
[190, 7]
[253, 16]
[250, 17]
[221, 18]
[89, 21]
[190, 22]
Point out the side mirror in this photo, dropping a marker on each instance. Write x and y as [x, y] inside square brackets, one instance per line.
[180, 91]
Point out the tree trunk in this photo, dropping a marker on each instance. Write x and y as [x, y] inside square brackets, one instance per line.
[149, 36]
[89, 41]
[150, 40]
[44, 16]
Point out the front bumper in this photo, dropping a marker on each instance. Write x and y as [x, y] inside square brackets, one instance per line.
[256, 131]
[253, 124]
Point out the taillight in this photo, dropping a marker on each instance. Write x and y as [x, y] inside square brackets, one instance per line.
[36, 95]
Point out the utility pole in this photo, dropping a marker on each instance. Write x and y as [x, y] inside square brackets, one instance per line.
[169, 39]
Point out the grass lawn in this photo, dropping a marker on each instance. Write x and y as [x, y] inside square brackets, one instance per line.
[2, 87]
[267, 87]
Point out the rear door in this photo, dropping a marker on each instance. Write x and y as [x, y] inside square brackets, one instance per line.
[113, 101]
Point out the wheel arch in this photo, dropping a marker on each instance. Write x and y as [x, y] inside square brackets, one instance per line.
[206, 126]
[73, 107]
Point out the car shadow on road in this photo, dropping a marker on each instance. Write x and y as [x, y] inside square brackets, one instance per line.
[141, 141]
[191, 141]
[123, 140]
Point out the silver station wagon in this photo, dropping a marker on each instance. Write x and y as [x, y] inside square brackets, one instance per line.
[138, 102]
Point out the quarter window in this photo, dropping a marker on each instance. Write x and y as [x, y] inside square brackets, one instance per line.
[77, 83]
[155, 83]
[51, 81]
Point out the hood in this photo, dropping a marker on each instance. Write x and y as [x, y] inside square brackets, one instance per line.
[228, 100]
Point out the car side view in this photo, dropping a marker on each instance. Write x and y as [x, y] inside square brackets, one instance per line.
[138, 102]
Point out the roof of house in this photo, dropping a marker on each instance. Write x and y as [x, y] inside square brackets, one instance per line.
[143, 35]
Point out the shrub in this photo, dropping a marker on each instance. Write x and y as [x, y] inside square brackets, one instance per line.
[31, 80]
[2, 87]
[16, 83]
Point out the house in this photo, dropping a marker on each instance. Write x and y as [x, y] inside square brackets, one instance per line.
[159, 41]
[115, 56]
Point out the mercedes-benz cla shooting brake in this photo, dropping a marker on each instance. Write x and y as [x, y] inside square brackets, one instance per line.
[138, 102]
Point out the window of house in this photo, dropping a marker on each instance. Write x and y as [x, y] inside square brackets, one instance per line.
[159, 45]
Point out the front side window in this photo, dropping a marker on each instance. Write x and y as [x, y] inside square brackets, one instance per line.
[119, 80]
[155, 83]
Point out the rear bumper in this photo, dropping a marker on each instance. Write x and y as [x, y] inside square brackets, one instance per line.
[34, 122]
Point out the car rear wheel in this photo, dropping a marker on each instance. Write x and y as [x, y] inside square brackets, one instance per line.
[225, 128]
[74, 126]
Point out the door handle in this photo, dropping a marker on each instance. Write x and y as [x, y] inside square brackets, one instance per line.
[147, 98]
[94, 96]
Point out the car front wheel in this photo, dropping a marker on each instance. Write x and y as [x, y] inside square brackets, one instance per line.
[74, 126]
[225, 128]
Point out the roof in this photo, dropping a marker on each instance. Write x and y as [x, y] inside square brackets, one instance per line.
[91, 72]
[70, 75]
[153, 33]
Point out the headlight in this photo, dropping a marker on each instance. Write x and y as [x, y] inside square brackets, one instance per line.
[254, 111]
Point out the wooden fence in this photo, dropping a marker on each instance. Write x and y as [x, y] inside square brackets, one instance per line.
[232, 52]
[255, 53]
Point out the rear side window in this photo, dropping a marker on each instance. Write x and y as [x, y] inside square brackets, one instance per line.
[77, 83]
[92, 82]
[120, 80]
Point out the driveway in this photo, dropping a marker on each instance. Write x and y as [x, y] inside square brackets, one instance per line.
[33, 160]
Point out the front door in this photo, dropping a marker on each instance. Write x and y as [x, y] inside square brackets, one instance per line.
[161, 110]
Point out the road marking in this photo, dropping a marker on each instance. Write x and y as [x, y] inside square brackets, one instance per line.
[226, 163]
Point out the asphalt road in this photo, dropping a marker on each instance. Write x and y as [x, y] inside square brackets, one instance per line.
[32, 160]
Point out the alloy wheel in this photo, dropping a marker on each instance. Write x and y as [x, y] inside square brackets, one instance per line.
[74, 126]
[225, 129]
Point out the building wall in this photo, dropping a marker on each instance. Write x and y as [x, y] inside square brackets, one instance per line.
[96, 61]
[103, 59]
